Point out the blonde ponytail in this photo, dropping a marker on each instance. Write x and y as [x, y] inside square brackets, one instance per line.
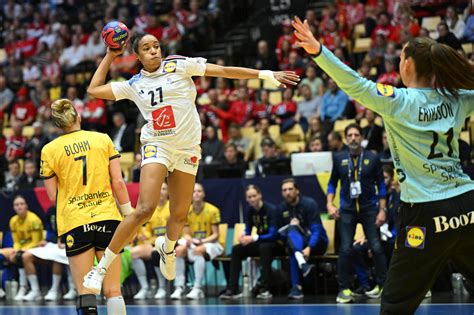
[63, 113]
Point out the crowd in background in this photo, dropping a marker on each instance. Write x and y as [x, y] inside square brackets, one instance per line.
[50, 52]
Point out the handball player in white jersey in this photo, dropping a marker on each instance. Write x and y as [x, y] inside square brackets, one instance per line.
[165, 93]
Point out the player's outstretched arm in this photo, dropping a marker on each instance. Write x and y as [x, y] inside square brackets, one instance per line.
[279, 78]
[97, 88]
[377, 98]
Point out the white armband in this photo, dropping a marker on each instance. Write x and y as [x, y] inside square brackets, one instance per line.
[255, 237]
[268, 75]
[126, 208]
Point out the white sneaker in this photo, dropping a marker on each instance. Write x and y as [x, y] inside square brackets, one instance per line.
[167, 261]
[93, 279]
[141, 295]
[52, 295]
[33, 296]
[70, 295]
[2, 293]
[160, 294]
[177, 294]
[20, 294]
[195, 294]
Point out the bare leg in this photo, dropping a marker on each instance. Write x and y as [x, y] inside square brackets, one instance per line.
[29, 263]
[80, 266]
[181, 186]
[152, 177]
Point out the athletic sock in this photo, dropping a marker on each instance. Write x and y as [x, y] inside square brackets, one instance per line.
[300, 259]
[107, 259]
[169, 244]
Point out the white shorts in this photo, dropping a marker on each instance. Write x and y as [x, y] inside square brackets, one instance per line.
[184, 160]
[50, 251]
[212, 249]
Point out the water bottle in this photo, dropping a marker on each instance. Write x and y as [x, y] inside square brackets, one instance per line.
[246, 286]
[456, 282]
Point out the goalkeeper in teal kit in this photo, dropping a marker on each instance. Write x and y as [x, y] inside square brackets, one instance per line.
[423, 123]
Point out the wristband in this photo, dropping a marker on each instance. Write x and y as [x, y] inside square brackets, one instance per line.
[126, 208]
[268, 75]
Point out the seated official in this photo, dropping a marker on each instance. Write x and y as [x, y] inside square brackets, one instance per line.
[264, 217]
[303, 232]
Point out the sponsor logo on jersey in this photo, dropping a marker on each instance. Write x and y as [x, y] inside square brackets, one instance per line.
[366, 161]
[415, 237]
[95, 228]
[344, 162]
[286, 214]
[149, 151]
[69, 241]
[442, 224]
[169, 66]
[163, 118]
[191, 161]
[385, 90]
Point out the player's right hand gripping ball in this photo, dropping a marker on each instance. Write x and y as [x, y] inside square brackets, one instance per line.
[115, 34]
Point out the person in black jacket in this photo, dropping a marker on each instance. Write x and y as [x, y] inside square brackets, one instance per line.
[123, 135]
[263, 217]
[29, 179]
[359, 172]
[372, 133]
[303, 232]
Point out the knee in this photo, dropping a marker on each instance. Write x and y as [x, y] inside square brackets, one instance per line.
[27, 258]
[111, 291]
[345, 251]
[180, 217]
[376, 247]
[180, 251]
[143, 212]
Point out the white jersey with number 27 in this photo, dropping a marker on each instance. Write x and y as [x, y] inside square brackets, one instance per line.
[166, 99]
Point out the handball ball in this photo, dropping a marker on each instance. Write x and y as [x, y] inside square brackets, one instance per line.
[115, 34]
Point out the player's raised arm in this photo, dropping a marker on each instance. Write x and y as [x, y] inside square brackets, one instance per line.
[376, 97]
[279, 78]
[97, 88]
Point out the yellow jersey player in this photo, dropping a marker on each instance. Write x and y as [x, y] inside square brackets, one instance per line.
[165, 94]
[154, 228]
[79, 169]
[199, 243]
[27, 232]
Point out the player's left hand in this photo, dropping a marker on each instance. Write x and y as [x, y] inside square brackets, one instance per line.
[305, 38]
[380, 219]
[307, 252]
[286, 77]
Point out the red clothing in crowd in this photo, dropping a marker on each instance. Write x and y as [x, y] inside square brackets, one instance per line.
[92, 106]
[155, 31]
[354, 13]
[239, 113]
[3, 145]
[285, 109]
[390, 78]
[16, 147]
[413, 28]
[23, 111]
[387, 31]
[262, 111]
[329, 39]
[27, 47]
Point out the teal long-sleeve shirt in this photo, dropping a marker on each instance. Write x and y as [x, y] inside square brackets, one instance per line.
[422, 127]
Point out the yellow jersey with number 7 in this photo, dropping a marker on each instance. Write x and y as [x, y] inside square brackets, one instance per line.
[80, 161]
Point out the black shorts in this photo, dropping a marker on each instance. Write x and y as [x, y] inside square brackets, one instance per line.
[94, 235]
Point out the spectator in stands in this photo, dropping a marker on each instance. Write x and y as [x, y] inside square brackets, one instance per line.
[95, 47]
[333, 106]
[6, 97]
[354, 11]
[372, 133]
[390, 76]
[36, 143]
[335, 142]
[122, 134]
[315, 144]
[272, 162]
[315, 128]
[265, 59]
[12, 176]
[197, 26]
[300, 216]
[263, 109]
[172, 35]
[235, 137]
[377, 50]
[55, 89]
[315, 83]
[74, 54]
[232, 165]
[94, 116]
[447, 37]
[308, 107]
[27, 232]
[180, 13]
[284, 113]
[332, 36]
[383, 27]
[264, 218]
[406, 23]
[31, 73]
[469, 29]
[254, 150]
[29, 179]
[424, 32]
[294, 64]
[287, 35]
[145, 251]
[456, 25]
[360, 173]
[16, 143]
[136, 168]
[199, 243]
[77, 101]
[13, 73]
[212, 147]
[23, 111]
